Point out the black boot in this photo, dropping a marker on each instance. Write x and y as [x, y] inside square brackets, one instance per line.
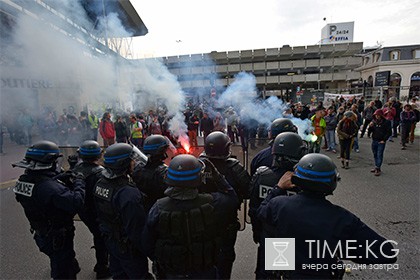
[342, 164]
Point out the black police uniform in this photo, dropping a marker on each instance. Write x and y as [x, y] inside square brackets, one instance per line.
[315, 223]
[191, 255]
[150, 180]
[261, 185]
[50, 207]
[287, 149]
[236, 175]
[262, 158]
[121, 218]
[92, 173]
[183, 229]
[315, 218]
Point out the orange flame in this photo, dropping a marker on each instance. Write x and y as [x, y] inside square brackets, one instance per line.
[185, 143]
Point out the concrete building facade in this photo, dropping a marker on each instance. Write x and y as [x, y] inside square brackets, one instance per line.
[392, 71]
[304, 70]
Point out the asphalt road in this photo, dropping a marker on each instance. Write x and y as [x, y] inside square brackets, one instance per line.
[388, 203]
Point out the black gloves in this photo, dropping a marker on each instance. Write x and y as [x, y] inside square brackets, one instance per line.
[72, 160]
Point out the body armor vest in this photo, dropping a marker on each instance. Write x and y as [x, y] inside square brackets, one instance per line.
[266, 180]
[234, 173]
[42, 217]
[92, 173]
[150, 181]
[186, 238]
[103, 194]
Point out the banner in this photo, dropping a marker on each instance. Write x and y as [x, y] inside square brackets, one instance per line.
[328, 97]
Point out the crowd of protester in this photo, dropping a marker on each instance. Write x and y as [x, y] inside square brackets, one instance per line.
[336, 124]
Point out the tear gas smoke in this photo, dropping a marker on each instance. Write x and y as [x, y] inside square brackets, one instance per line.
[75, 69]
[242, 96]
[78, 70]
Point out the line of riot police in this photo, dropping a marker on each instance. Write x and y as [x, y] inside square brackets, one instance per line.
[183, 217]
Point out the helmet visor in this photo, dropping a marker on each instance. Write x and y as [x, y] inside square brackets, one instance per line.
[139, 158]
[33, 165]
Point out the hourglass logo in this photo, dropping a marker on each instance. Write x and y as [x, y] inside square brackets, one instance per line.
[279, 253]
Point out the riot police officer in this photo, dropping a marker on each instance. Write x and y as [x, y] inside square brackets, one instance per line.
[182, 231]
[150, 179]
[121, 213]
[287, 149]
[217, 150]
[89, 153]
[50, 206]
[315, 218]
[264, 157]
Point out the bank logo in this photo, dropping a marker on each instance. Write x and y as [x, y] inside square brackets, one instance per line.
[279, 254]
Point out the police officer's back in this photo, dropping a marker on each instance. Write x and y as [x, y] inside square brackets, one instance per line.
[264, 157]
[150, 179]
[121, 213]
[217, 151]
[287, 149]
[90, 152]
[315, 218]
[50, 206]
[182, 229]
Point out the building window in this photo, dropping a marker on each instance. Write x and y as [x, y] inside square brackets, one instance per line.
[377, 56]
[366, 60]
[395, 55]
[416, 53]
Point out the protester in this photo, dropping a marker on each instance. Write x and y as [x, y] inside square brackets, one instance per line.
[107, 130]
[346, 130]
[407, 118]
[381, 130]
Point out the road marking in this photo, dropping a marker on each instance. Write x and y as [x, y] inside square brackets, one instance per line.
[7, 184]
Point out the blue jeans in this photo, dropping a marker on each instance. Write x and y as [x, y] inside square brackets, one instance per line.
[330, 136]
[392, 126]
[378, 152]
[356, 142]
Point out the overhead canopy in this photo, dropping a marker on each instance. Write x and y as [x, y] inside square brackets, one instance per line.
[95, 9]
[125, 11]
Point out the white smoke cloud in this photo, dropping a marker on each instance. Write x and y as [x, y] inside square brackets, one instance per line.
[82, 73]
[242, 95]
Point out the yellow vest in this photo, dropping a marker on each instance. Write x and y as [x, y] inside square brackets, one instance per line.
[136, 134]
[94, 122]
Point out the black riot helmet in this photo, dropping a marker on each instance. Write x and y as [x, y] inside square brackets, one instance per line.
[41, 155]
[289, 146]
[316, 173]
[217, 145]
[185, 171]
[156, 145]
[89, 150]
[281, 125]
[117, 159]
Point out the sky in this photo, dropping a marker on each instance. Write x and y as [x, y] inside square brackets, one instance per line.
[201, 26]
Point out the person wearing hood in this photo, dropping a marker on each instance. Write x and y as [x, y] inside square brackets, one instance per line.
[381, 130]
[183, 230]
